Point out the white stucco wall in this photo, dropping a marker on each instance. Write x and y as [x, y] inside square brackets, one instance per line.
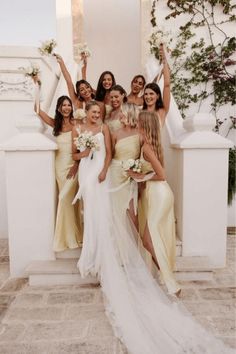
[112, 31]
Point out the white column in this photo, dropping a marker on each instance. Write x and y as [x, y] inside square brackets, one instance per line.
[30, 180]
[201, 189]
[64, 29]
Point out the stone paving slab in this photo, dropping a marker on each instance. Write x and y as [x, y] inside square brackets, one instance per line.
[71, 319]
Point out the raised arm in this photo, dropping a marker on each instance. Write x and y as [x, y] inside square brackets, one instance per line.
[166, 90]
[44, 116]
[68, 79]
[107, 138]
[84, 67]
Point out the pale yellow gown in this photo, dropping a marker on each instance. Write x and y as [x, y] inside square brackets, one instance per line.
[68, 230]
[113, 124]
[156, 209]
[123, 191]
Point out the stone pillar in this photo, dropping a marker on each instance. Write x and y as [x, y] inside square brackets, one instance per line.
[77, 26]
[201, 189]
[30, 180]
[64, 29]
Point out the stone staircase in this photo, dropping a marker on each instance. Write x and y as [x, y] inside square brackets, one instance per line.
[63, 270]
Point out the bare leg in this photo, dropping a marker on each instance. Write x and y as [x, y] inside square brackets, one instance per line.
[147, 243]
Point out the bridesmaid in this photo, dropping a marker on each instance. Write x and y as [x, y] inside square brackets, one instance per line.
[125, 145]
[105, 83]
[158, 232]
[117, 98]
[82, 92]
[68, 229]
[137, 86]
[153, 101]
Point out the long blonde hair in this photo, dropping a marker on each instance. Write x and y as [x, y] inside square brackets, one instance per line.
[150, 125]
[131, 111]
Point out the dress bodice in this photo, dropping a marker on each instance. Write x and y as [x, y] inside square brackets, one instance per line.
[127, 148]
[63, 141]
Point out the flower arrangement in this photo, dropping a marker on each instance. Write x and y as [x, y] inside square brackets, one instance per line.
[33, 70]
[86, 140]
[47, 47]
[160, 37]
[84, 50]
[131, 164]
[79, 114]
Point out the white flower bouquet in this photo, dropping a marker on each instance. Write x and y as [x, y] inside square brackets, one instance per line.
[32, 70]
[79, 114]
[160, 37]
[131, 164]
[84, 50]
[47, 47]
[86, 140]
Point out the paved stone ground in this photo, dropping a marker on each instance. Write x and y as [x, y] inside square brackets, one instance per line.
[71, 319]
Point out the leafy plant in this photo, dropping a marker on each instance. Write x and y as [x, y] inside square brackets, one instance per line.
[207, 73]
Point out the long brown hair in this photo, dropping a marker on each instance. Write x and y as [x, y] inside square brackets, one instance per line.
[150, 125]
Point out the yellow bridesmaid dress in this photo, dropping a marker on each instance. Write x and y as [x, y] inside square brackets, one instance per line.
[68, 229]
[156, 209]
[122, 188]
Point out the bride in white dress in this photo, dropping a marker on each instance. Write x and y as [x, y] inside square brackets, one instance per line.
[142, 316]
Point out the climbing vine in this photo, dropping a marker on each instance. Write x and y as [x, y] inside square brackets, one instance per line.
[202, 67]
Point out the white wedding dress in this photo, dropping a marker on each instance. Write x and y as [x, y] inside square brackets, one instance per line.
[142, 316]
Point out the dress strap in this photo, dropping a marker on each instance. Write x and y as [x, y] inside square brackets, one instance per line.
[101, 127]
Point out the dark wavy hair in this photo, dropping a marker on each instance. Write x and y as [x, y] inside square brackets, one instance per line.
[154, 87]
[141, 77]
[121, 90]
[77, 86]
[101, 91]
[58, 116]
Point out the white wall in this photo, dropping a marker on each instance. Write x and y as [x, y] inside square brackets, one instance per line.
[26, 22]
[112, 31]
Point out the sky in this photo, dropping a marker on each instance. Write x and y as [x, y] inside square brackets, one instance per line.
[27, 22]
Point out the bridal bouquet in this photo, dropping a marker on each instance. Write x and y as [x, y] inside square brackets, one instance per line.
[84, 50]
[47, 47]
[131, 164]
[79, 114]
[86, 140]
[160, 37]
[33, 70]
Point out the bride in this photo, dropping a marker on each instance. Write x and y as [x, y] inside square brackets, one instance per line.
[142, 316]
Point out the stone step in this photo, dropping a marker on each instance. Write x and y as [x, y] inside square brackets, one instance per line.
[64, 271]
[75, 253]
[69, 253]
[56, 272]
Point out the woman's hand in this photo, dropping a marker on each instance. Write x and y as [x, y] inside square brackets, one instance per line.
[135, 175]
[102, 176]
[73, 170]
[58, 58]
[86, 152]
[36, 80]
[162, 54]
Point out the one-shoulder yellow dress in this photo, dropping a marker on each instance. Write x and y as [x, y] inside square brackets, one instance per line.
[68, 229]
[122, 188]
[156, 210]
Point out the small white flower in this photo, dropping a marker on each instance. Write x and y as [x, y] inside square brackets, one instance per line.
[79, 114]
[83, 49]
[86, 140]
[47, 47]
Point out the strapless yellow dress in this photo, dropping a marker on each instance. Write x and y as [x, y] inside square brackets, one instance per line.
[156, 209]
[68, 229]
[123, 191]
